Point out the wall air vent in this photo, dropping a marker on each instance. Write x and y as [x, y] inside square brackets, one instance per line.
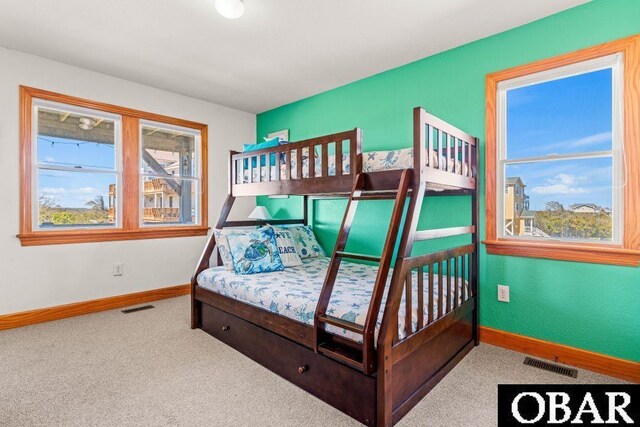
[551, 367]
[134, 309]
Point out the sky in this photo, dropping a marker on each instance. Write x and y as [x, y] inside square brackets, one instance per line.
[75, 189]
[565, 116]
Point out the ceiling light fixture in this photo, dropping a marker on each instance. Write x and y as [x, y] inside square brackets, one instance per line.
[86, 123]
[230, 9]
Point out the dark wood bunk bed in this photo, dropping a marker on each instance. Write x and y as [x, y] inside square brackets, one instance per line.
[380, 379]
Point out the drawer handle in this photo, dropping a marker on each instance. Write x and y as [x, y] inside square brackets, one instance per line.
[303, 369]
[226, 328]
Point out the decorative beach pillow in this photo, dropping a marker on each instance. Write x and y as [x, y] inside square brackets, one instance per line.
[305, 241]
[223, 248]
[287, 248]
[255, 251]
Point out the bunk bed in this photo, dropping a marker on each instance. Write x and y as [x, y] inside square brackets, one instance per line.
[417, 320]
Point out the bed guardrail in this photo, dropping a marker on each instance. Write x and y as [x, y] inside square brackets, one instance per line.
[325, 164]
[443, 154]
[449, 272]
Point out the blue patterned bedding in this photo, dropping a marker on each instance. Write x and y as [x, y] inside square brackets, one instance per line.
[294, 292]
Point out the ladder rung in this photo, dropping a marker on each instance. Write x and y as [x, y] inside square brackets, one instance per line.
[341, 323]
[342, 354]
[361, 257]
[375, 197]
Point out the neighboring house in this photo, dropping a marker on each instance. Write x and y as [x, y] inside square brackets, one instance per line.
[515, 203]
[518, 219]
[527, 220]
[112, 203]
[161, 200]
[585, 208]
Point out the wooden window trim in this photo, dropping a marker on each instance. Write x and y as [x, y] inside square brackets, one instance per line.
[130, 229]
[628, 253]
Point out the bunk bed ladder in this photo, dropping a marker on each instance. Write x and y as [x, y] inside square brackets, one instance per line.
[359, 356]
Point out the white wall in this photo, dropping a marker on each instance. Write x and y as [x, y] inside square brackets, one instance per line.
[44, 276]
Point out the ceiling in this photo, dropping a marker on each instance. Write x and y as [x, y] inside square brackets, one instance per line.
[278, 52]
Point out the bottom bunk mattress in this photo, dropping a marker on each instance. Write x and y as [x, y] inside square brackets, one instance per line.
[294, 293]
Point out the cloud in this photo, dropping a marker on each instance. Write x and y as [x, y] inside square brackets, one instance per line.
[557, 189]
[591, 140]
[565, 179]
[562, 183]
[596, 138]
[85, 190]
[49, 159]
[52, 190]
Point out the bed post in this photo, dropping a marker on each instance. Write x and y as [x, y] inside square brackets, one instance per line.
[203, 264]
[389, 320]
[305, 209]
[355, 153]
[475, 265]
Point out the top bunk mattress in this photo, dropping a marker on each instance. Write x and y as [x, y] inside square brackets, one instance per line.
[372, 161]
[294, 293]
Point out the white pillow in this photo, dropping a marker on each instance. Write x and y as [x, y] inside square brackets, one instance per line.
[305, 241]
[287, 248]
[223, 248]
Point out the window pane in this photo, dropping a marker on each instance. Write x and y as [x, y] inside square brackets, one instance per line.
[568, 115]
[72, 199]
[165, 201]
[168, 152]
[75, 140]
[569, 199]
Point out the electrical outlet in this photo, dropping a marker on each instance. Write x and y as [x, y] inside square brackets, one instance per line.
[118, 269]
[503, 293]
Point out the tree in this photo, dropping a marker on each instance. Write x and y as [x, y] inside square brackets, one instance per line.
[47, 206]
[573, 225]
[62, 218]
[554, 207]
[97, 203]
[47, 202]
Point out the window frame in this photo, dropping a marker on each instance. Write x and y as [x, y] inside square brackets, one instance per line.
[613, 62]
[129, 227]
[627, 250]
[197, 178]
[38, 103]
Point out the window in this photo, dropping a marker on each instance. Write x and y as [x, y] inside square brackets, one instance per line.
[557, 132]
[98, 172]
[169, 167]
[559, 139]
[78, 166]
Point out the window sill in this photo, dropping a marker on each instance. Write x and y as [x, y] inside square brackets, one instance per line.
[601, 254]
[89, 236]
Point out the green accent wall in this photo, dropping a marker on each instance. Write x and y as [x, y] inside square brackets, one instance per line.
[593, 307]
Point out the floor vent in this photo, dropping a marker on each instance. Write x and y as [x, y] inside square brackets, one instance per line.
[551, 367]
[134, 309]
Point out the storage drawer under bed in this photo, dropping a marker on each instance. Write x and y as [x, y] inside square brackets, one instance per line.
[348, 390]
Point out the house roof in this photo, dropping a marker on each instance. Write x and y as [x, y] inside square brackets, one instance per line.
[528, 214]
[514, 179]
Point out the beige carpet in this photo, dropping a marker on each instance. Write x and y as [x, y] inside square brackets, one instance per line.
[149, 369]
